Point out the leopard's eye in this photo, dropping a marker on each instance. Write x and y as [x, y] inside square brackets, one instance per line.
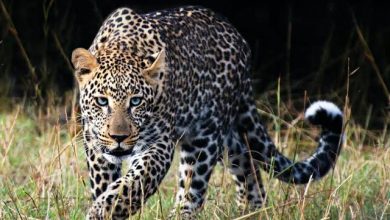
[135, 101]
[101, 101]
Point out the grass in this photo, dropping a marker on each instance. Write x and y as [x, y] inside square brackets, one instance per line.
[43, 174]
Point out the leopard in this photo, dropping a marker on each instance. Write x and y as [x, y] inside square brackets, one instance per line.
[179, 80]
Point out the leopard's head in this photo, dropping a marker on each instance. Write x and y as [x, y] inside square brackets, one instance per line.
[118, 92]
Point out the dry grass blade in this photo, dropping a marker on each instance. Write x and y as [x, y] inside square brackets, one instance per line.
[370, 57]
[14, 32]
[61, 49]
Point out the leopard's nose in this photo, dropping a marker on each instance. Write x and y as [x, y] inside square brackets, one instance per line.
[118, 138]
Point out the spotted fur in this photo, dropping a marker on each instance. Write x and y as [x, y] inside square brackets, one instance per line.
[181, 75]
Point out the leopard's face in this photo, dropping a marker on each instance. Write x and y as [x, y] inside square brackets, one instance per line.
[115, 104]
[116, 97]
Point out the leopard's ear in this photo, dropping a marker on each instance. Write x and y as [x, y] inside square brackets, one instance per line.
[84, 63]
[154, 73]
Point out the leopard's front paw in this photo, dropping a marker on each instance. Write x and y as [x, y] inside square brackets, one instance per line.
[95, 213]
[180, 214]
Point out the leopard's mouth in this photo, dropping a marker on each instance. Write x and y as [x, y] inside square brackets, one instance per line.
[119, 152]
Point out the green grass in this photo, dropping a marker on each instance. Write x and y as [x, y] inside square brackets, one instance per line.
[43, 175]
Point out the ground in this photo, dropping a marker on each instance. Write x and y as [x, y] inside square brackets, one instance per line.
[43, 173]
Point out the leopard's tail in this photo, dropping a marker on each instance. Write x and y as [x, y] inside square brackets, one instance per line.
[322, 113]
